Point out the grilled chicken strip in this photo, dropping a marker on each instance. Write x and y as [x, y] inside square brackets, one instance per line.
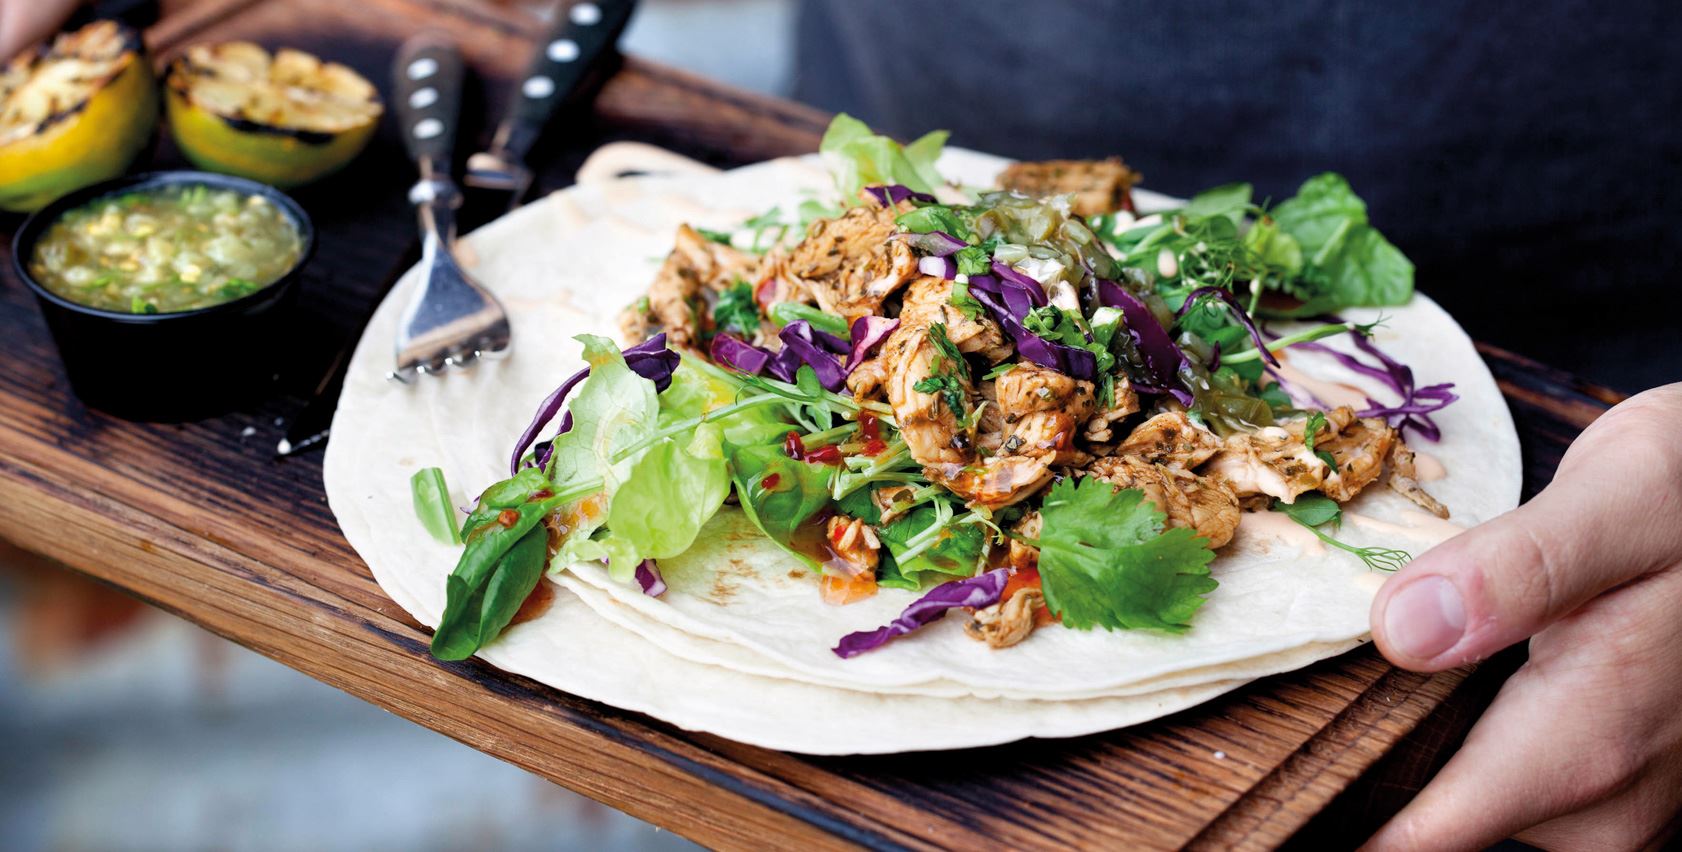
[1097, 186]
[850, 264]
[1276, 462]
[929, 300]
[1041, 410]
[675, 300]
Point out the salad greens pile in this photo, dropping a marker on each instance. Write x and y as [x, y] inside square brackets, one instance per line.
[653, 444]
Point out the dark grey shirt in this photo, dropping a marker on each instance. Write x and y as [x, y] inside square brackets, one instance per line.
[1527, 156]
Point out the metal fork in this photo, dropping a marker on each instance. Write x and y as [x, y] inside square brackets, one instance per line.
[451, 320]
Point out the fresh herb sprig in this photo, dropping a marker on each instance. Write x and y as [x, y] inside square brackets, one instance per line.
[1315, 510]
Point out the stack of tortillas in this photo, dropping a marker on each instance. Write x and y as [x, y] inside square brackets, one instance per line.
[740, 644]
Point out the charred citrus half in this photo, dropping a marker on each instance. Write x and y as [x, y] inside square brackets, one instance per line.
[284, 119]
[73, 112]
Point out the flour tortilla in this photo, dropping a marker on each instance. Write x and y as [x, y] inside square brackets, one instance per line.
[736, 630]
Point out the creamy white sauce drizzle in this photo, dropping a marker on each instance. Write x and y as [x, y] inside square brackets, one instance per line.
[1330, 393]
[1413, 524]
[1427, 468]
[1256, 528]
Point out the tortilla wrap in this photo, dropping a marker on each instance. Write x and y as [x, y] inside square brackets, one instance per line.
[738, 646]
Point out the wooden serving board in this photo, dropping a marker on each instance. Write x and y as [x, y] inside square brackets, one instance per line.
[201, 520]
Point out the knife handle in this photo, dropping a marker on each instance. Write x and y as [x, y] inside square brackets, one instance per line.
[583, 32]
[427, 78]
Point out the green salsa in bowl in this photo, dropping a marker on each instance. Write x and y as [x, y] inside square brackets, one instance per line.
[167, 248]
[168, 293]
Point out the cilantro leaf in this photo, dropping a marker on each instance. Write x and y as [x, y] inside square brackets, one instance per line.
[735, 310]
[947, 349]
[1106, 561]
[974, 260]
[947, 389]
[963, 301]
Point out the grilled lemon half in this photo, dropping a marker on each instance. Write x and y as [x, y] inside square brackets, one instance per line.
[73, 112]
[284, 119]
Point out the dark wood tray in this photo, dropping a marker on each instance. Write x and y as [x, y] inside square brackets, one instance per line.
[201, 520]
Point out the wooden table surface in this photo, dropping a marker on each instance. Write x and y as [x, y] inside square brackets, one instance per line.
[201, 520]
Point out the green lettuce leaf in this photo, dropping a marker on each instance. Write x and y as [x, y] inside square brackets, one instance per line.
[1106, 561]
[673, 490]
[857, 157]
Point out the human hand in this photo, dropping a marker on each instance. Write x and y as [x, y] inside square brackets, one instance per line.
[1582, 748]
[25, 22]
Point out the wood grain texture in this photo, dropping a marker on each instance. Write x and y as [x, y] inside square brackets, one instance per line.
[199, 519]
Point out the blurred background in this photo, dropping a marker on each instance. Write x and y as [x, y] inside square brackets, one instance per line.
[124, 727]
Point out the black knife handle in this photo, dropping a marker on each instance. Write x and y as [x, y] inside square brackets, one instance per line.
[427, 89]
[584, 31]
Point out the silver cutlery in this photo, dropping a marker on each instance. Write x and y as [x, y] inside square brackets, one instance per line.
[580, 38]
[451, 320]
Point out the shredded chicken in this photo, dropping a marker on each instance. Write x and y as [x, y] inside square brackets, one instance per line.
[1205, 503]
[1100, 429]
[1402, 480]
[1171, 438]
[675, 302]
[886, 497]
[850, 264]
[1276, 462]
[1359, 447]
[929, 300]
[1025, 555]
[1008, 622]
[854, 544]
[1097, 186]
[1041, 410]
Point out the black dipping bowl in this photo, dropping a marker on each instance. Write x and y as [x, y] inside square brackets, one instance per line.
[171, 366]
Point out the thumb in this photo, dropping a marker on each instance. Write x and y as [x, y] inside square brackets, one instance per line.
[1603, 521]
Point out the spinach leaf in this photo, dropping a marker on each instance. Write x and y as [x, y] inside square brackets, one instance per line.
[499, 568]
[778, 493]
[957, 549]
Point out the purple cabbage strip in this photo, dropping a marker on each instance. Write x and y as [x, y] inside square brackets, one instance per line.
[1163, 359]
[653, 361]
[1021, 285]
[649, 359]
[648, 577]
[1417, 403]
[1237, 311]
[976, 592]
[738, 354]
[936, 243]
[1009, 304]
[890, 194]
[800, 346]
[867, 332]
[546, 412]
[938, 267]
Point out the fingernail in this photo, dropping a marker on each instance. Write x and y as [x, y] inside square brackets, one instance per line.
[1425, 618]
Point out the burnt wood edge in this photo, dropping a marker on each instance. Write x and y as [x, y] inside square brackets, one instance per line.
[680, 785]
